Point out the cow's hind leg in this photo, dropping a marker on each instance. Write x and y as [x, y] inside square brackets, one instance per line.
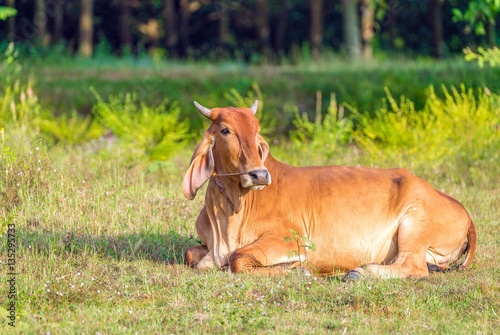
[407, 264]
[194, 255]
[410, 261]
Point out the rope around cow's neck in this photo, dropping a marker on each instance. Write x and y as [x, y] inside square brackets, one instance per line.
[221, 186]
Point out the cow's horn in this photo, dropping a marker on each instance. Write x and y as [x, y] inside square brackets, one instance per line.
[203, 110]
[255, 106]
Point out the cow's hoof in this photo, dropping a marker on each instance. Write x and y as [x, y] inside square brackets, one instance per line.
[303, 271]
[352, 275]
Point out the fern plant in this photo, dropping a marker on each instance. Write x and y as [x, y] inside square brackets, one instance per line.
[156, 130]
[300, 242]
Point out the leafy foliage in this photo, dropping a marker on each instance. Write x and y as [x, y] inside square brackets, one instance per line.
[6, 12]
[70, 129]
[478, 12]
[300, 242]
[491, 56]
[155, 129]
[461, 129]
[19, 105]
[325, 134]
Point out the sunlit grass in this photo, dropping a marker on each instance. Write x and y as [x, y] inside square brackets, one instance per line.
[101, 245]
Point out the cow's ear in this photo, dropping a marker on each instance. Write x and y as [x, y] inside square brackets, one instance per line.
[200, 169]
[263, 147]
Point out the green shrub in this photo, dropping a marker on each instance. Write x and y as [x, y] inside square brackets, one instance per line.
[460, 130]
[156, 130]
[325, 134]
[19, 105]
[70, 129]
[491, 56]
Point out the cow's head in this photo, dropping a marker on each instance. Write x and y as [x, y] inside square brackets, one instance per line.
[232, 144]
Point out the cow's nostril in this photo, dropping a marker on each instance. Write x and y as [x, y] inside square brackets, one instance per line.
[259, 176]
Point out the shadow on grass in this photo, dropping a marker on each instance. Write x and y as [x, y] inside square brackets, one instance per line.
[164, 248]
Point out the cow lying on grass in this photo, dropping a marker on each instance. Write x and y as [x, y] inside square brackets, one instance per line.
[364, 221]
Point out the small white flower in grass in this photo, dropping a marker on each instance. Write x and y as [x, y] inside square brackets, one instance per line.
[98, 291]
[129, 311]
[48, 290]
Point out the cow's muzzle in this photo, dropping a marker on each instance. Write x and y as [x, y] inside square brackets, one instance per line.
[258, 179]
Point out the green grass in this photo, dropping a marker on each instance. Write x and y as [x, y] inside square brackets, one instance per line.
[101, 245]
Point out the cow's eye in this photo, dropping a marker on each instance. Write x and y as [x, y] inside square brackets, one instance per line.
[225, 131]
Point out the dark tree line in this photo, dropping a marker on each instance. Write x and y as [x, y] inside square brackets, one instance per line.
[262, 29]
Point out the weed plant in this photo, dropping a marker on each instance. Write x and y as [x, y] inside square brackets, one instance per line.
[459, 131]
[154, 129]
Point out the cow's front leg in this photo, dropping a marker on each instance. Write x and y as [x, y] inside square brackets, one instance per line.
[269, 257]
[194, 255]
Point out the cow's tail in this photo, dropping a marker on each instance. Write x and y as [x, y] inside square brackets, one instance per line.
[470, 250]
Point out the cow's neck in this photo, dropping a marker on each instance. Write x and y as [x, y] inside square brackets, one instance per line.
[227, 212]
[223, 215]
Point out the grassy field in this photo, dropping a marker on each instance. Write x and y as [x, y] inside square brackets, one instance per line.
[101, 237]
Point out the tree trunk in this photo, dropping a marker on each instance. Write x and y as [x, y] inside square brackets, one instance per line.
[224, 34]
[367, 28]
[11, 22]
[40, 21]
[316, 32]
[185, 14]
[281, 29]
[352, 38]
[490, 33]
[125, 35]
[436, 16]
[262, 27]
[85, 41]
[170, 23]
[58, 21]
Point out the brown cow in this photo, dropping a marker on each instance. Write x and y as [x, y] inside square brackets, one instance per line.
[364, 221]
